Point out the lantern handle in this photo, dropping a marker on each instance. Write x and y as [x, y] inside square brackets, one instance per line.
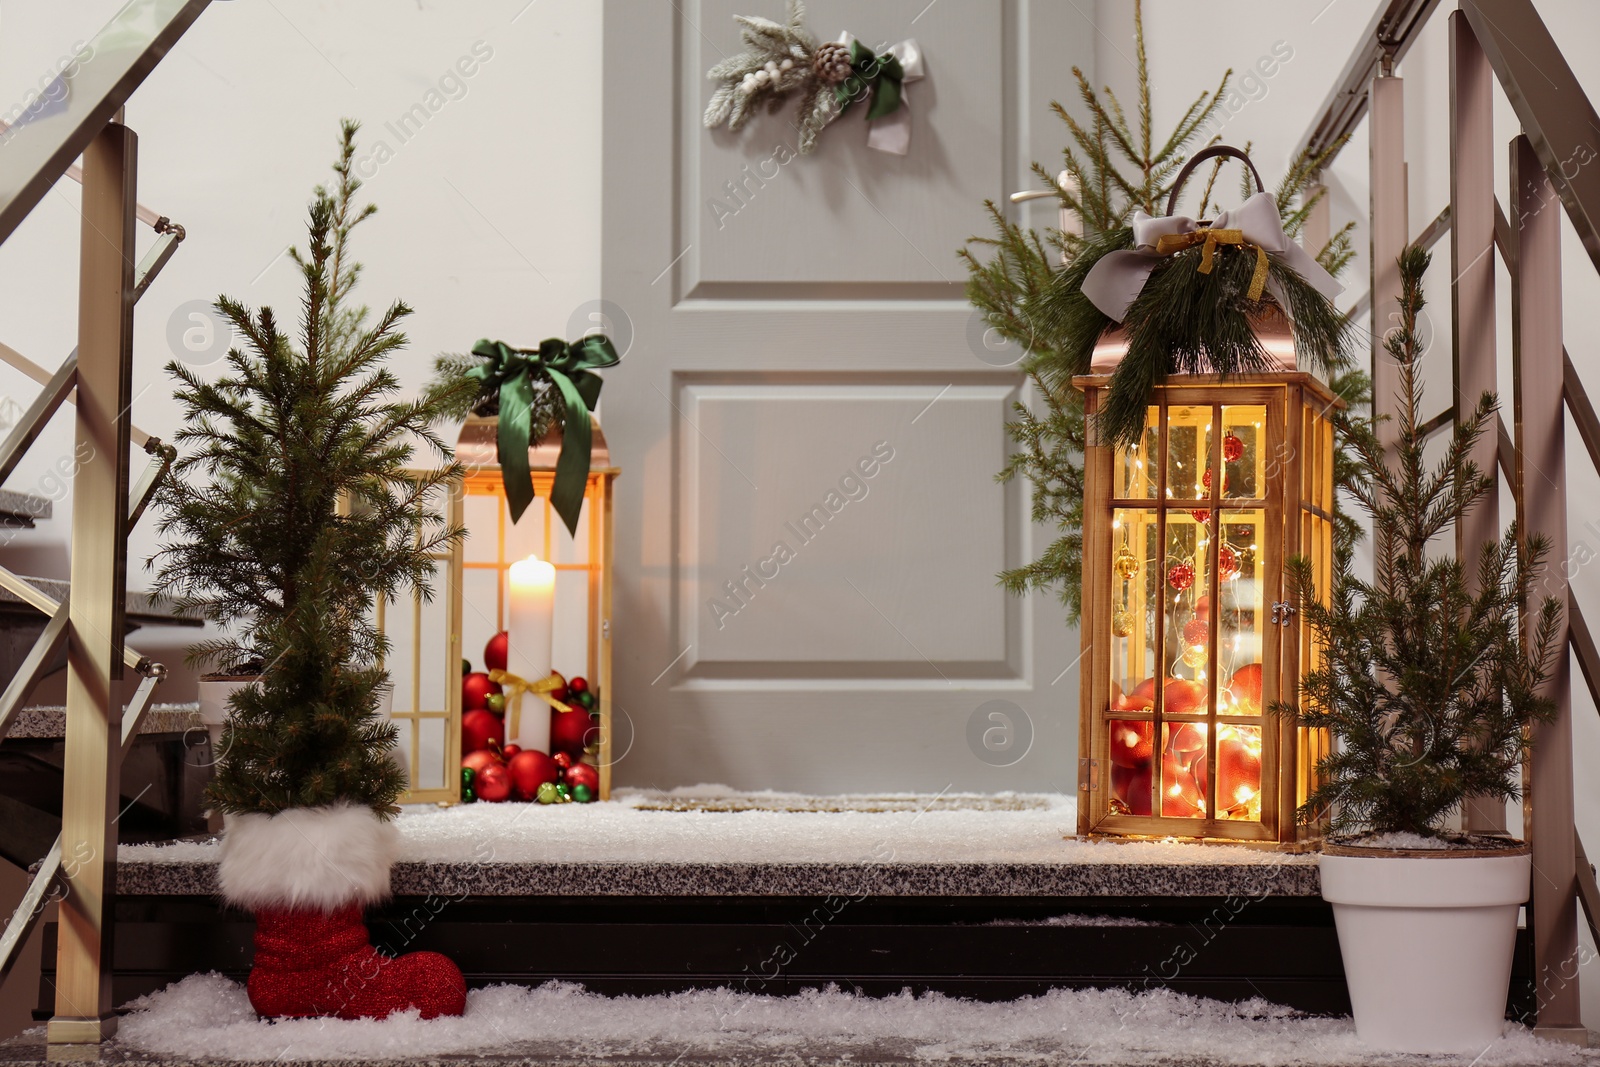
[1200, 157]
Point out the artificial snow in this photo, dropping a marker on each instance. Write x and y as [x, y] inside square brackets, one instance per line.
[208, 1017]
[1038, 829]
[1402, 839]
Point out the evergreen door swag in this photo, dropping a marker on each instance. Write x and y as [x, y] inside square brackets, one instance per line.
[783, 58]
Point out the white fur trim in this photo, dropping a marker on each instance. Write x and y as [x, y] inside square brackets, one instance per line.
[322, 858]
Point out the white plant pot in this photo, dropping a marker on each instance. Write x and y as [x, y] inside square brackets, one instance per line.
[1427, 939]
[215, 690]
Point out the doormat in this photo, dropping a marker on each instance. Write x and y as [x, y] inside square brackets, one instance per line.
[796, 802]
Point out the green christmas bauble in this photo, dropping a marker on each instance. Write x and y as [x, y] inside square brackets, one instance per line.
[466, 666]
[564, 789]
[584, 698]
[547, 793]
[468, 796]
[582, 794]
[467, 776]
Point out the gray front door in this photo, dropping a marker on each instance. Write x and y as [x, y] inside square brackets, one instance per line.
[809, 419]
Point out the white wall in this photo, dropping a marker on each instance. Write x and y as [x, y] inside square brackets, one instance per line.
[489, 220]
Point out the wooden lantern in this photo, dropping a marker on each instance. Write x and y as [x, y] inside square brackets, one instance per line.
[1183, 581]
[471, 605]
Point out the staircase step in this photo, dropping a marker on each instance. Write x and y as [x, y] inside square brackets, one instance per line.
[21, 509]
[143, 609]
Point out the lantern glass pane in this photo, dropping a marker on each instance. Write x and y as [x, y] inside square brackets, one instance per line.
[1241, 616]
[1135, 468]
[1238, 758]
[1185, 569]
[1246, 454]
[1182, 746]
[1132, 783]
[1136, 591]
[431, 760]
[1188, 450]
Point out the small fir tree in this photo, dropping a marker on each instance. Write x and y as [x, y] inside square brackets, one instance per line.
[1428, 676]
[1114, 169]
[291, 512]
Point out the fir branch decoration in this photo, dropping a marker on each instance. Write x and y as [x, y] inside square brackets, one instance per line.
[290, 512]
[1430, 673]
[1187, 322]
[1113, 168]
[461, 396]
[783, 58]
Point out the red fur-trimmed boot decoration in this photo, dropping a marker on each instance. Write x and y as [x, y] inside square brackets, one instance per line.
[307, 873]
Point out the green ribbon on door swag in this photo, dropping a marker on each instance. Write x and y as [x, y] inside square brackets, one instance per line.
[509, 374]
[883, 75]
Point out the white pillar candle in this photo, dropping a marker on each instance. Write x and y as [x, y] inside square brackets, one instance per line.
[532, 628]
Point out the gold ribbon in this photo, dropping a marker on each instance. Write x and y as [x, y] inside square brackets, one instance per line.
[517, 686]
[1172, 243]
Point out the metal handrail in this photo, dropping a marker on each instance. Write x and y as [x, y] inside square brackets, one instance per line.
[36, 155]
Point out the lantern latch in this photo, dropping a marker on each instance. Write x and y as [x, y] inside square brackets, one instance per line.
[1282, 610]
[1088, 774]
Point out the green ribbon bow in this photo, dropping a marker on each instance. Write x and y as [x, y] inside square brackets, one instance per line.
[882, 74]
[511, 372]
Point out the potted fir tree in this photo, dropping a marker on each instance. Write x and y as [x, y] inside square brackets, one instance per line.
[288, 514]
[1429, 679]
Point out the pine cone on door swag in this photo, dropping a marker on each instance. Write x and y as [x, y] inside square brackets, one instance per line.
[831, 63]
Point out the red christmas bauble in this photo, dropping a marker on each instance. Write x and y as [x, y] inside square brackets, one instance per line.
[570, 730]
[1188, 739]
[1246, 689]
[560, 691]
[578, 685]
[475, 690]
[478, 728]
[1232, 448]
[1132, 743]
[493, 783]
[1143, 696]
[1183, 697]
[1196, 632]
[494, 653]
[1180, 795]
[563, 759]
[1202, 606]
[1132, 788]
[1227, 562]
[1200, 515]
[529, 770]
[478, 759]
[1240, 778]
[583, 774]
[1180, 576]
[510, 752]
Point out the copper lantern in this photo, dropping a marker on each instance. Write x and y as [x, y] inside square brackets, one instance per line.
[1188, 634]
[430, 639]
